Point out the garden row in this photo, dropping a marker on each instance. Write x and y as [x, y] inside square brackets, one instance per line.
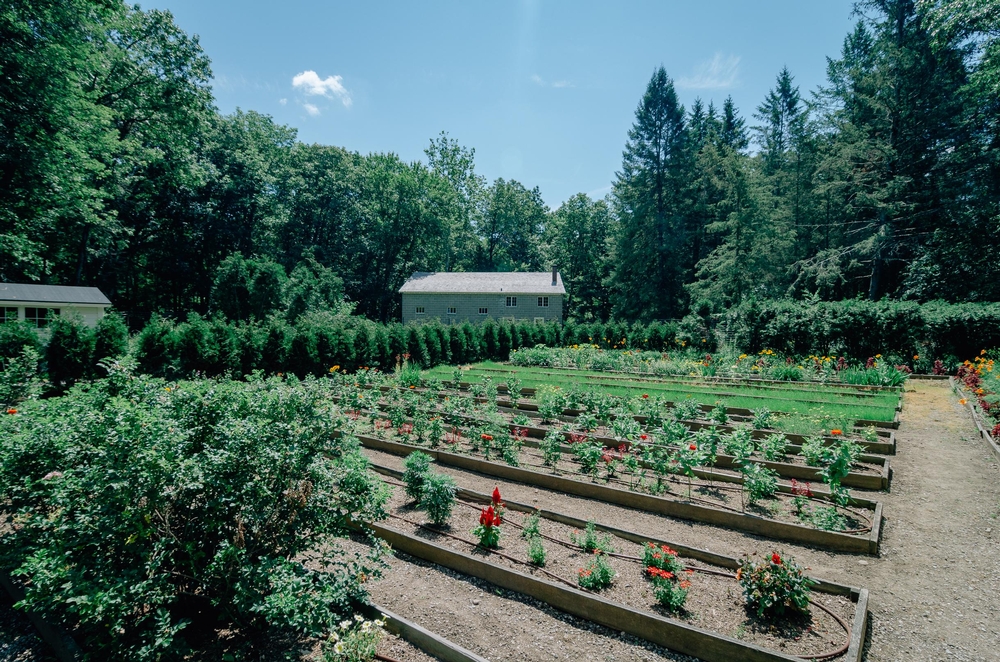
[672, 595]
[765, 367]
[619, 438]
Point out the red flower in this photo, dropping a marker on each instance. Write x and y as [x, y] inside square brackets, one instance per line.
[11, 411]
[488, 517]
[685, 584]
[645, 396]
[693, 447]
[775, 559]
[486, 437]
[835, 432]
[496, 494]
[643, 437]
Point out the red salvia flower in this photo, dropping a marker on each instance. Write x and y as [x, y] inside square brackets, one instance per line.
[775, 559]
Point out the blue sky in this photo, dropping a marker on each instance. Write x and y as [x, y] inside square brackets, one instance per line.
[544, 91]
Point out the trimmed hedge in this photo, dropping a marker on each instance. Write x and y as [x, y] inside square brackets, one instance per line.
[319, 341]
[859, 328]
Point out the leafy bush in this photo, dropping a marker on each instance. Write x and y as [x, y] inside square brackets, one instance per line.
[15, 336]
[774, 586]
[70, 350]
[142, 505]
[417, 465]
[597, 574]
[110, 337]
[19, 379]
[758, 482]
[355, 640]
[437, 497]
[773, 447]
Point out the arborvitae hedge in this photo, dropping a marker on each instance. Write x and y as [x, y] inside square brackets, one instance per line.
[860, 328]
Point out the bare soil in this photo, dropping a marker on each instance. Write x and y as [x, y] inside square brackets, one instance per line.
[934, 588]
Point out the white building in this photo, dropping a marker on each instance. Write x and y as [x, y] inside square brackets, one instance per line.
[35, 303]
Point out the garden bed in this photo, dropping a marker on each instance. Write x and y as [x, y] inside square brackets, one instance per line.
[985, 431]
[866, 541]
[869, 472]
[708, 626]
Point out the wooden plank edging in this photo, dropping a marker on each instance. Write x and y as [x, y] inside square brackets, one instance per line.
[669, 633]
[977, 416]
[429, 642]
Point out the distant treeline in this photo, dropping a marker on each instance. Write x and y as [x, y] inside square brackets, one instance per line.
[117, 170]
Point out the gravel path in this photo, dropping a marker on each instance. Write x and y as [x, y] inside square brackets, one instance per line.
[934, 589]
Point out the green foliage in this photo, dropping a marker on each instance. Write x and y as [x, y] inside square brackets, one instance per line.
[775, 586]
[758, 482]
[19, 378]
[773, 447]
[417, 467]
[815, 452]
[110, 337]
[597, 574]
[437, 496]
[15, 336]
[356, 640]
[551, 447]
[530, 528]
[69, 352]
[591, 541]
[588, 453]
[536, 551]
[135, 491]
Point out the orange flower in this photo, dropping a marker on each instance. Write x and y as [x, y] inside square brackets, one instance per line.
[961, 402]
[835, 432]
[11, 411]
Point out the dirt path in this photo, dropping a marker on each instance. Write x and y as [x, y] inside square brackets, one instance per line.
[934, 589]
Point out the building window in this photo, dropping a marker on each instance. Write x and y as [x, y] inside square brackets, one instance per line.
[39, 317]
[483, 311]
[511, 302]
[539, 320]
[420, 310]
[9, 315]
[543, 302]
[452, 310]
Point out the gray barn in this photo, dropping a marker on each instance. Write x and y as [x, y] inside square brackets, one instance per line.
[476, 296]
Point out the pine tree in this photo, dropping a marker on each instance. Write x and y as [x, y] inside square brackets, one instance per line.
[651, 194]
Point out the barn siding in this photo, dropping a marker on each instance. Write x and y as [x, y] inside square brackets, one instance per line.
[467, 307]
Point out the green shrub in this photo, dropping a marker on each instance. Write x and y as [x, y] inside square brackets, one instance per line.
[15, 336]
[70, 350]
[19, 378]
[597, 574]
[437, 497]
[590, 541]
[110, 337]
[417, 466]
[774, 586]
[140, 503]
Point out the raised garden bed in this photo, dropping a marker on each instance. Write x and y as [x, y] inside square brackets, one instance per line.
[866, 540]
[977, 416]
[707, 628]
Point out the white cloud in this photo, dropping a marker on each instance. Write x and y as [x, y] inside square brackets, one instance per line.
[311, 109]
[538, 80]
[282, 101]
[718, 73]
[330, 87]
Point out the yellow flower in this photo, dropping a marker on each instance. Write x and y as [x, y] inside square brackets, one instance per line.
[878, 356]
[335, 368]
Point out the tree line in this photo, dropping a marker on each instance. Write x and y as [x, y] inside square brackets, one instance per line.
[118, 171]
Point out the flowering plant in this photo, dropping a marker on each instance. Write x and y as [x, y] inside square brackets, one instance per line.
[774, 586]
[597, 574]
[354, 641]
[660, 558]
[488, 530]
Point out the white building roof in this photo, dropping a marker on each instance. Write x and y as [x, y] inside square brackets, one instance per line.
[483, 282]
[52, 294]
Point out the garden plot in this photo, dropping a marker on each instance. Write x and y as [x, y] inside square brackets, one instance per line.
[634, 446]
[796, 409]
[692, 604]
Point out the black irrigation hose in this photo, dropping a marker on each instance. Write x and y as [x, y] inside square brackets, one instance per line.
[627, 557]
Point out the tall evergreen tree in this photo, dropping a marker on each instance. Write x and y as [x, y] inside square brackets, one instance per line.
[651, 193]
